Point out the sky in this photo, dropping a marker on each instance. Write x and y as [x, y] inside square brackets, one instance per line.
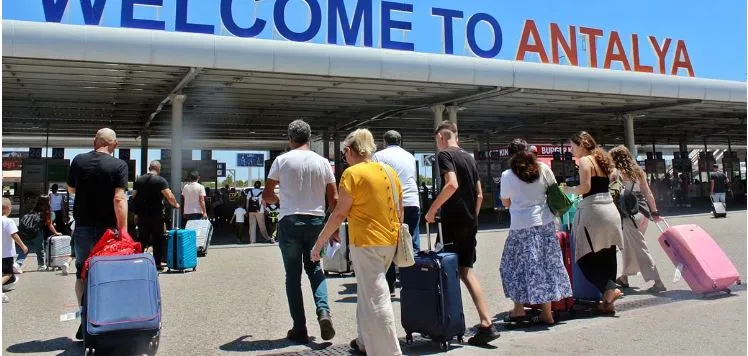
[714, 31]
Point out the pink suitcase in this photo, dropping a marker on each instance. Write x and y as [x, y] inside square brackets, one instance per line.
[704, 265]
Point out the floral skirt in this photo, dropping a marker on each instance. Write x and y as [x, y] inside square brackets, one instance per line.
[532, 269]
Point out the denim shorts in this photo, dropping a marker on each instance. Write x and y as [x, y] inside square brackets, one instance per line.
[85, 238]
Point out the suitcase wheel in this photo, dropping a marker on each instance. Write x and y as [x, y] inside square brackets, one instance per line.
[444, 345]
[194, 269]
[408, 338]
[460, 339]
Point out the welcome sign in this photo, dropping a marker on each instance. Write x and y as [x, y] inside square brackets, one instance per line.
[370, 23]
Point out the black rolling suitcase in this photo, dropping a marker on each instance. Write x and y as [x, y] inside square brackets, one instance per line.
[718, 209]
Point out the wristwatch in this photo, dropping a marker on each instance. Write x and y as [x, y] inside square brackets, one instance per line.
[655, 213]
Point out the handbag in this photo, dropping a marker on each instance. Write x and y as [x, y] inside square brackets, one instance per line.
[404, 248]
[558, 202]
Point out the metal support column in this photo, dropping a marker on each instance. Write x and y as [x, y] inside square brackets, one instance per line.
[338, 156]
[629, 134]
[708, 166]
[326, 145]
[143, 153]
[177, 133]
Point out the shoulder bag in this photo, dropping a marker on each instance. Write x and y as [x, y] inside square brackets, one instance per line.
[558, 202]
[404, 249]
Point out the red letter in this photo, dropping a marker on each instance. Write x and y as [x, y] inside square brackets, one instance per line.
[525, 46]
[591, 34]
[635, 53]
[680, 50]
[660, 52]
[570, 50]
[615, 40]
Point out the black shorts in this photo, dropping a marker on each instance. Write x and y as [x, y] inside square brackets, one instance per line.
[7, 265]
[459, 238]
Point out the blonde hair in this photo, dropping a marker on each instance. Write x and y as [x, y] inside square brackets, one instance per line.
[361, 142]
[6, 202]
[625, 163]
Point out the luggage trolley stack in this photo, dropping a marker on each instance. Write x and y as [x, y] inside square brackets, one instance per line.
[430, 297]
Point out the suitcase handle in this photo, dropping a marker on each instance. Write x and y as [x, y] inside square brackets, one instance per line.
[174, 219]
[439, 236]
[667, 226]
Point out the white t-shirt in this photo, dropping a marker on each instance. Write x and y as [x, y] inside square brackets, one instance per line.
[193, 193]
[303, 176]
[55, 202]
[239, 214]
[404, 164]
[529, 206]
[9, 228]
[256, 192]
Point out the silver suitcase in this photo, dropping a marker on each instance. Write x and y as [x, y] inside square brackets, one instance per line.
[340, 262]
[58, 251]
[204, 231]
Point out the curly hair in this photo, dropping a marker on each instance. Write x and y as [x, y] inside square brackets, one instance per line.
[602, 158]
[524, 164]
[625, 163]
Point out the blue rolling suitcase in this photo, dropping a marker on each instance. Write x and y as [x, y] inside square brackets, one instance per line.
[122, 305]
[181, 252]
[581, 288]
[430, 299]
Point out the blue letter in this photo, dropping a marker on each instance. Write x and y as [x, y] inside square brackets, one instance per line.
[128, 18]
[54, 9]
[472, 23]
[388, 24]
[280, 21]
[92, 13]
[228, 20]
[183, 26]
[336, 8]
[448, 15]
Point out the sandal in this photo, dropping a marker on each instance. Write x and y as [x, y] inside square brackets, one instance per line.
[620, 283]
[516, 319]
[537, 320]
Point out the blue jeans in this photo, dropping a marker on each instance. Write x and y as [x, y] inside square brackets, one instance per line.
[37, 245]
[297, 235]
[85, 238]
[412, 218]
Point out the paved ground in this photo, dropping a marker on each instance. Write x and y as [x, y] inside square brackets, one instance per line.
[235, 303]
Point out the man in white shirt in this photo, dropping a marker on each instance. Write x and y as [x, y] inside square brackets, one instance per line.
[10, 235]
[306, 180]
[57, 206]
[193, 196]
[404, 163]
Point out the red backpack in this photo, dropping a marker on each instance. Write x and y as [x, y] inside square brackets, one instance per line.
[112, 244]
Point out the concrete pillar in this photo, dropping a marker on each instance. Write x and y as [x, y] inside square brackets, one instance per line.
[438, 111]
[708, 165]
[177, 135]
[326, 145]
[338, 156]
[452, 110]
[628, 134]
[143, 153]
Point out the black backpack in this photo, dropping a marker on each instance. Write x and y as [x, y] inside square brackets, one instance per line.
[254, 202]
[30, 225]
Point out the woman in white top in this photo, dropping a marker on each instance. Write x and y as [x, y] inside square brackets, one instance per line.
[636, 257]
[532, 267]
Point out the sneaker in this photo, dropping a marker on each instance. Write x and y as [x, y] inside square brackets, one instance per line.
[5, 298]
[17, 269]
[42, 268]
[325, 325]
[298, 336]
[79, 333]
[11, 284]
[484, 336]
[64, 269]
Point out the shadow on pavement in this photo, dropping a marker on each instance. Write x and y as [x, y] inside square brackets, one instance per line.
[245, 343]
[64, 344]
[350, 288]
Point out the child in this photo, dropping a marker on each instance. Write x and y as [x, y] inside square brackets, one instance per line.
[10, 234]
[239, 215]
